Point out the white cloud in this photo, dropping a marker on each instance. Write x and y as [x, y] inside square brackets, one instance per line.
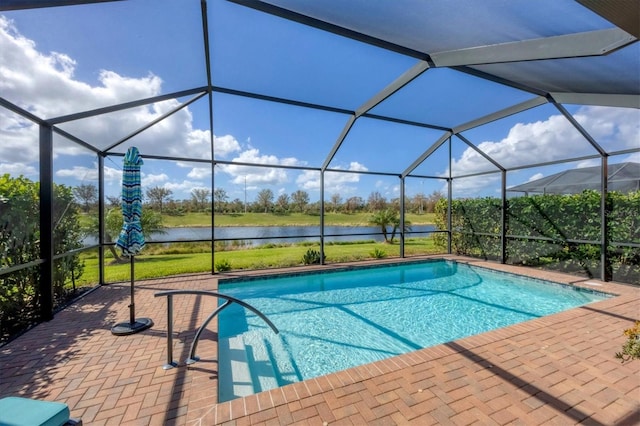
[256, 176]
[535, 177]
[225, 145]
[186, 186]
[80, 173]
[335, 182]
[149, 180]
[199, 172]
[17, 169]
[613, 128]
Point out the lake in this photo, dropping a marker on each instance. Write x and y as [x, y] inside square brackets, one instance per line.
[257, 235]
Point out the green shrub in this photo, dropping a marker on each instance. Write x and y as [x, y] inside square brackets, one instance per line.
[311, 257]
[378, 254]
[223, 265]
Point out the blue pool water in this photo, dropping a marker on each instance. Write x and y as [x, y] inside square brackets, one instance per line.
[332, 321]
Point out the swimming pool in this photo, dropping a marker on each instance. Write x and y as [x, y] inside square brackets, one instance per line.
[336, 320]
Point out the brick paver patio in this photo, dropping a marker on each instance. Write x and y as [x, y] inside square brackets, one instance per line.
[555, 370]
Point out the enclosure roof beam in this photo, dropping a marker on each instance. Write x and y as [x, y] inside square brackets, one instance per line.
[23, 112]
[76, 139]
[481, 152]
[579, 127]
[33, 4]
[598, 99]
[280, 166]
[126, 105]
[154, 122]
[406, 78]
[591, 43]
[523, 106]
[285, 101]
[437, 144]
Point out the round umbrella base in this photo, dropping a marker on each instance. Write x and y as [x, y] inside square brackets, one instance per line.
[125, 328]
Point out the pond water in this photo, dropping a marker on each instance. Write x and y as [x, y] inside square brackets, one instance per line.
[257, 235]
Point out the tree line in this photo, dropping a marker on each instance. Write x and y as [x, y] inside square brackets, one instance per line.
[204, 200]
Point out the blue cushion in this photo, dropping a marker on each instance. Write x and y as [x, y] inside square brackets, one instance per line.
[15, 411]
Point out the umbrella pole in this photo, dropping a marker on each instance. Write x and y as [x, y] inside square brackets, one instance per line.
[134, 325]
[132, 306]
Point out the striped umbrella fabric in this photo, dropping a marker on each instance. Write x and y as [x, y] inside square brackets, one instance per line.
[131, 240]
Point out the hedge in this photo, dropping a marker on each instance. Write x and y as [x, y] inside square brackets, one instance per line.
[561, 232]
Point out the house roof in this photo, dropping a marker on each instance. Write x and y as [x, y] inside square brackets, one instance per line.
[623, 177]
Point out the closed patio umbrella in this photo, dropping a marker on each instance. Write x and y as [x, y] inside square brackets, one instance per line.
[131, 239]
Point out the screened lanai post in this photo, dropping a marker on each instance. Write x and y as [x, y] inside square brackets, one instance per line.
[402, 213]
[45, 284]
[450, 196]
[606, 272]
[101, 196]
[449, 230]
[322, 217]
[503, 218]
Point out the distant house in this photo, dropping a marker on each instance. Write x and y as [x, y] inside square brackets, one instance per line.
[623, 177]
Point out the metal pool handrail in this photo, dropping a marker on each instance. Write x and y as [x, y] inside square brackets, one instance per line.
[192, 352]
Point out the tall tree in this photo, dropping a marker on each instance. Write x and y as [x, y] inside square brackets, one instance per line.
[157, 196]
[282, 203]
[220, 197]
[200, 197]
[419, 202]
[87, 194]
[336, 200]
[265, 199]
[113, 200]
[354, 204]
[376, 202]
[300, 199]
[432, 200]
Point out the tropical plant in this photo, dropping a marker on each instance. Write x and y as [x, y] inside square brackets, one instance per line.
[631, 348]
[389, 218]
[378, 253]
[223, 265]
[311, 257]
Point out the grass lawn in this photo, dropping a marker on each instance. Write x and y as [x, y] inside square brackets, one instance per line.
[293, 219]
[175, 262]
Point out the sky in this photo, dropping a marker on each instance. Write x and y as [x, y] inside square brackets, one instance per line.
[64, 60]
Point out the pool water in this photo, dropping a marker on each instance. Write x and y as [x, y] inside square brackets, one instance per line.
[336, 320]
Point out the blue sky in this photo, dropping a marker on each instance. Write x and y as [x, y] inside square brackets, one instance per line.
[57, 61]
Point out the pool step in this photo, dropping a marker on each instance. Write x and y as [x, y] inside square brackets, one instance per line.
[253, 362]
[234, 375]
[263, 374]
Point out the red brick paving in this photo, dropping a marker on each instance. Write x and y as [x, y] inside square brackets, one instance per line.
[555, 370]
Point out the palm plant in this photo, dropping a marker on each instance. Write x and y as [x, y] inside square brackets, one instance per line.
[386, 218]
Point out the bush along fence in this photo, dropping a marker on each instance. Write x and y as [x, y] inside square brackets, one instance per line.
[560, 232]
[20, 252]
